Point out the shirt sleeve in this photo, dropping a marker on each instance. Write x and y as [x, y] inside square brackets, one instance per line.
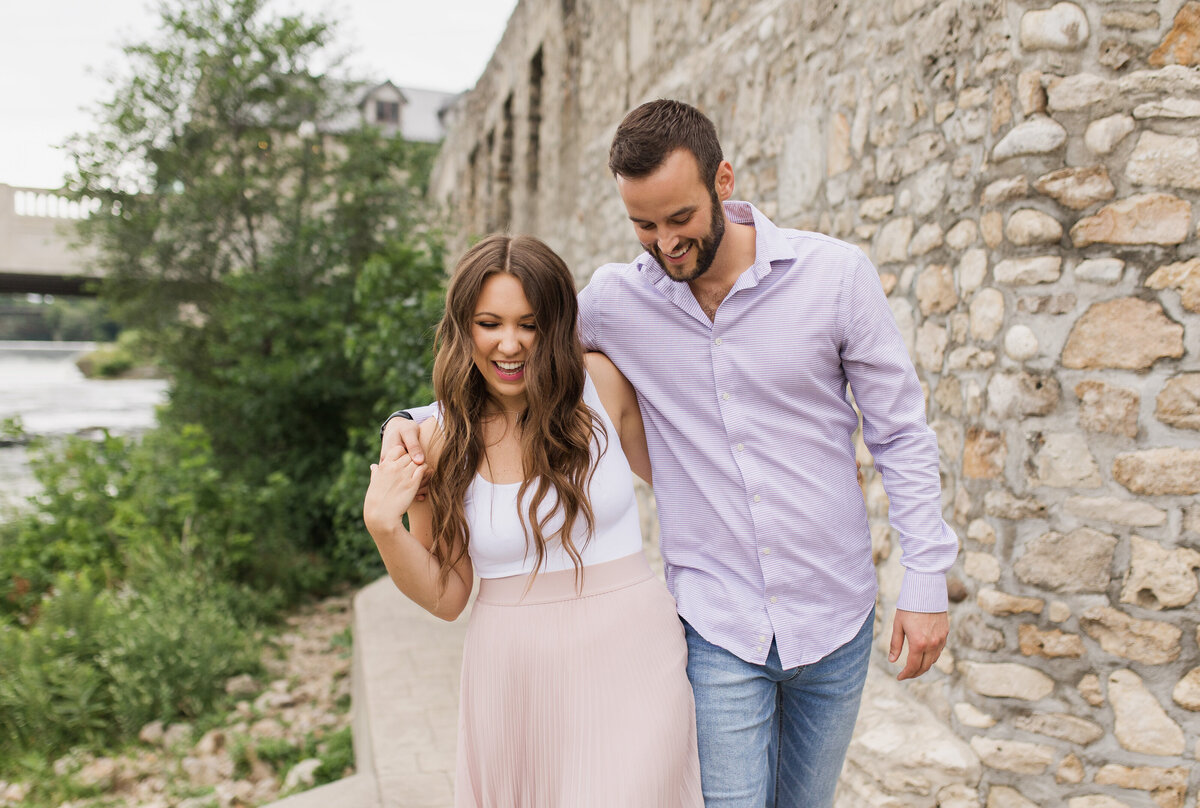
[886, 389]
[424, 413]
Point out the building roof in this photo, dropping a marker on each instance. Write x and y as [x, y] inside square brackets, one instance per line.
[421, 111]
[421, 118]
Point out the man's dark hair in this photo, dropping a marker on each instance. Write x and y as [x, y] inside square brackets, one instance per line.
[655, 129]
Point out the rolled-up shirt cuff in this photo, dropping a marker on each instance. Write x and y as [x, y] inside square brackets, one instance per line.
[923, 592]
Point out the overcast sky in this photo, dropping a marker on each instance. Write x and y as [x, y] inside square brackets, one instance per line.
[54, 55]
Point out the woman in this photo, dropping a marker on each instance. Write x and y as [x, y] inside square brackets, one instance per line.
[574, 688]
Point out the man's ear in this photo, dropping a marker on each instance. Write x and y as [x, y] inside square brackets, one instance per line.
[723, 184]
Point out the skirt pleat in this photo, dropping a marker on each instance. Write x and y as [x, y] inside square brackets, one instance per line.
[575, 697]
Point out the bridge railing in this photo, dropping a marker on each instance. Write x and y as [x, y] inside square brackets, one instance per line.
[43, 203]
[40, 249]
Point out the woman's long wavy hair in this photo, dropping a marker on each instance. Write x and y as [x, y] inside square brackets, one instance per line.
[557, 427]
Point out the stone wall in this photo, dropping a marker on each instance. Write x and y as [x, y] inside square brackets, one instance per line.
[1026, 178]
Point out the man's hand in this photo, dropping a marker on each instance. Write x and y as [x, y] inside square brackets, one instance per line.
[926, 635]
[404, 433]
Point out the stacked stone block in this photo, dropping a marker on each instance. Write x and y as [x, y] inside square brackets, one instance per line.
[1026, 177]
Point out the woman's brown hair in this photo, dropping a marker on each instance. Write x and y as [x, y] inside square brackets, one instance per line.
[556, 428]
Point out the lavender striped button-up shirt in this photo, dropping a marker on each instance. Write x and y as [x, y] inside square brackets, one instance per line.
[764, 529]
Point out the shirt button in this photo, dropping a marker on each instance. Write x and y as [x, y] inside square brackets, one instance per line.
[774, 599]
[757, 498]
[761, 638]
[741, 448]
[766, 551]
[717, 341]
[724, 396]
[758, 648]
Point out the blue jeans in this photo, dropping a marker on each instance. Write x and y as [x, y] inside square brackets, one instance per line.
[769, 737]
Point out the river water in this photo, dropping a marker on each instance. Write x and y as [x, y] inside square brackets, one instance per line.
[40, 384]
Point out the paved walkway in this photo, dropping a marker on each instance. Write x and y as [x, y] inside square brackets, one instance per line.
[410, 663]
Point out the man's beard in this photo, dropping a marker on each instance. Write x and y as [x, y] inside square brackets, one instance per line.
[706, 248]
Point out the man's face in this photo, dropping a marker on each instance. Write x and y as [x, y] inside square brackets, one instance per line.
[676, 217]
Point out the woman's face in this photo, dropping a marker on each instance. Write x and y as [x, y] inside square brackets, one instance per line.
[503, 333]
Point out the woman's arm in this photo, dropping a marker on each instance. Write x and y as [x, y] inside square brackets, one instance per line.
[405, 553]
[620, 401]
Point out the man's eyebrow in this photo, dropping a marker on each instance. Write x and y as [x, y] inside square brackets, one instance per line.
[682, 211]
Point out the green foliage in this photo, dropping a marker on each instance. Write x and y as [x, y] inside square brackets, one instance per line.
[12, 430]
[99, 663]
[335, 751]
[130, 353]
[264, 250]
[194, 157]
[70, 526]
[107, 507]
[277, 263]
[55, 318]
[337, 756]
[391, 342]
[129, 590]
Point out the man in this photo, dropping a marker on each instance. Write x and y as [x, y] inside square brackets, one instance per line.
[740, 339]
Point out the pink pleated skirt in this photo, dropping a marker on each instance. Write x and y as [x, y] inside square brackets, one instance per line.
[577, 699]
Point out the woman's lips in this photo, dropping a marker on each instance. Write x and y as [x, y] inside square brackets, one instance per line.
[515, 370]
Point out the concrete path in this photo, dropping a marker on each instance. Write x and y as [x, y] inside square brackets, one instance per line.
[405, 705]
[410, 662]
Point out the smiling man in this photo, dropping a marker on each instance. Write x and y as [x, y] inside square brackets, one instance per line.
[740, 339]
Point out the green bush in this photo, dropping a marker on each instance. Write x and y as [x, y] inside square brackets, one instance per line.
[337, 756]
[69, 526]
[108, 505]
[99, 663]
[289, 290]
[399, 300]
[130, 355]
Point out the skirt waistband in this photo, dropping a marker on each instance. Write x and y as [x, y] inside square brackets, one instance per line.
[548, 587]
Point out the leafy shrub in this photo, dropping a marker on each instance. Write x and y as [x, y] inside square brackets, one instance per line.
[107, 505]
[112, 360]
[400, 300]
[99, 663]
[337, 756]
[282, 275]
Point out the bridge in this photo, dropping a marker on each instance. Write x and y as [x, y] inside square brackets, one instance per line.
[38, 244]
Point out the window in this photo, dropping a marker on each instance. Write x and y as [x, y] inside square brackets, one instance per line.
[387, 112]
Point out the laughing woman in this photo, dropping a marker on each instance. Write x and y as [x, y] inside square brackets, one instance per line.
[574, 687]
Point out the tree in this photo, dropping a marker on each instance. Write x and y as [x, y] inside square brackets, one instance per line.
[253, 237]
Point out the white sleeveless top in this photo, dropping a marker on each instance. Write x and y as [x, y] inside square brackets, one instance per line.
[498, 546]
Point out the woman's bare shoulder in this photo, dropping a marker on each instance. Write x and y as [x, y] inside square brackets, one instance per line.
[433, 440]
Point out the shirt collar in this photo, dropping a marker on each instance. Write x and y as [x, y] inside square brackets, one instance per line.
[771, 247]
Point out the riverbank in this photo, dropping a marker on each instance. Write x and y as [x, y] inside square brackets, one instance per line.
[43, 390]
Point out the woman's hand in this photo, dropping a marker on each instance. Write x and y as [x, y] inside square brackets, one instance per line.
[394, 483]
